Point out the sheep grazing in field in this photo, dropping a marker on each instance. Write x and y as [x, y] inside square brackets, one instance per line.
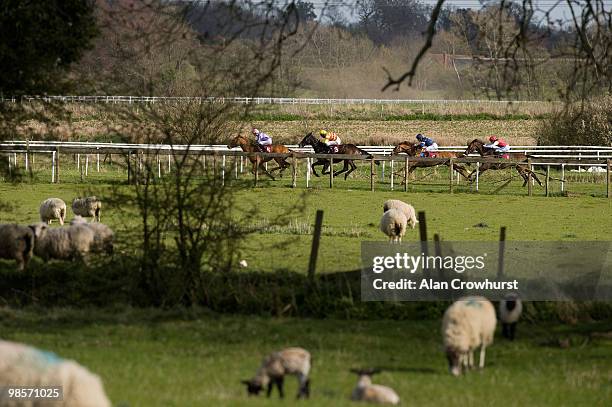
[372, 393]
[52, 209]
[407, 209]
[17, 243]
[510, 310]
[294, 361]
[88, 207]
[103, 235]
[66, 243]
[467, 324]
[393, 224]
[25, 366]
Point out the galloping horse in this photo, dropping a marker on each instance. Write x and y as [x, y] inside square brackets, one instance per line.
[259, 161]
[478, 146]
[321, 148]
[412, 150]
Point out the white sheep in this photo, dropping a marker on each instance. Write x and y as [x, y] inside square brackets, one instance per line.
[88, 207]
[52, 209]
[66, 243]
[407, 209]
[294, 361]
[17, 243]
[372, 393]
[393, 224]
[467, 324]
[103, 235]
[25, 366]
[510, 310]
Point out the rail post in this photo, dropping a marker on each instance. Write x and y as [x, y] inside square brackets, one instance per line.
[450, 176]
[307, 172]
[57, 165]
[235, 166]
[316, 239]
[372, 174]
[608, 191]
[529, 186]
[477, 175]
[129, 167]
[78, 162]
[382, 178]
[98, 162]
[547, 180]
[500, 255]
[53, 167]
[80, 168]
[158, 167]
[223, 170]
[562, 177]
[293, 171]
[331, 172]
[256, 169]
[391, 176]
[86, 165]
[406, 174]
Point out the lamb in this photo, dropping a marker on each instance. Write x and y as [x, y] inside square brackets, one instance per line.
[17, 243]
[103, 235]
[25, 366]
[467, 324]
[66, 243]
[295, 361]
[51, 209]
[407, 209]
[393, 224]
[510, 310]
[87, 207]
[373, 393]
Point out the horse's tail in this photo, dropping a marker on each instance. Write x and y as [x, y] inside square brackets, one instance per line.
[368, 155]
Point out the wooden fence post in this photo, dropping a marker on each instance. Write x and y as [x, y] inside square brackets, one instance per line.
[316, 239]
[129, 167]
[450, 177]
[500, 255]
[547, 180]
[608, 191]
[372, 174]
[423, 237]
[293, 171]
[406, 175]
[331, 172]
[256, 167]
[529, 187]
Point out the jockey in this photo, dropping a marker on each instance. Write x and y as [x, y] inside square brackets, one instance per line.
[262, 140]
[499, 145]
[329, 139]
[427, 144]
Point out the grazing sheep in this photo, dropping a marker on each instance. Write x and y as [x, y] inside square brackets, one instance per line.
[407, 209]
[510, 310]
[51, 209]
[393, 224]
[72, 242]
[88, 207]
[295, 361]
[372, 393]
[25, 366]
[17, 243]
[103, 235]
[467, 324]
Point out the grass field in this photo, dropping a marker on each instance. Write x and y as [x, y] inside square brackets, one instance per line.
[154, 358]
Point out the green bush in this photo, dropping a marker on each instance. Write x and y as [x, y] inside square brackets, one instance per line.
[586, 124]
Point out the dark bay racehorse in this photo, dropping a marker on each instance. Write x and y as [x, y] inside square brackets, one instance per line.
[413, 150]
[258, 161]
[478, 146]
[346, 149]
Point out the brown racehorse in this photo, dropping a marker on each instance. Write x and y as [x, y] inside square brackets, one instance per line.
[259, 161]
[413, 150]
[478, 146]
[321, 148]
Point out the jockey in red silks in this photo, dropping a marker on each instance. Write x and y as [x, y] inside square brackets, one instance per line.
[498, 144]
[263, 140]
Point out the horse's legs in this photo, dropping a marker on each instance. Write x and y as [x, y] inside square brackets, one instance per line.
[461, 170]
[263, 168]
[318, 162]
[353, 168]
[344, 169]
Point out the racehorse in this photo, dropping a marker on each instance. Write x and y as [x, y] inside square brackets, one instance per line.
[259, 161]
[321, 148]
[412, 150]
[478, 146]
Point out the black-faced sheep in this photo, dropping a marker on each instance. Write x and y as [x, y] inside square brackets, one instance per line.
[52, 209]
[372, 393]
[407, 209]
[294, 361]
[88, 207]
[510, 310]
[393, 224]
[103, 235]
[468, 323]
[25, 366]
[66, 243]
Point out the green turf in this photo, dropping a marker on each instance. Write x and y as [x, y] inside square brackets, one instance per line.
[148, 359]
